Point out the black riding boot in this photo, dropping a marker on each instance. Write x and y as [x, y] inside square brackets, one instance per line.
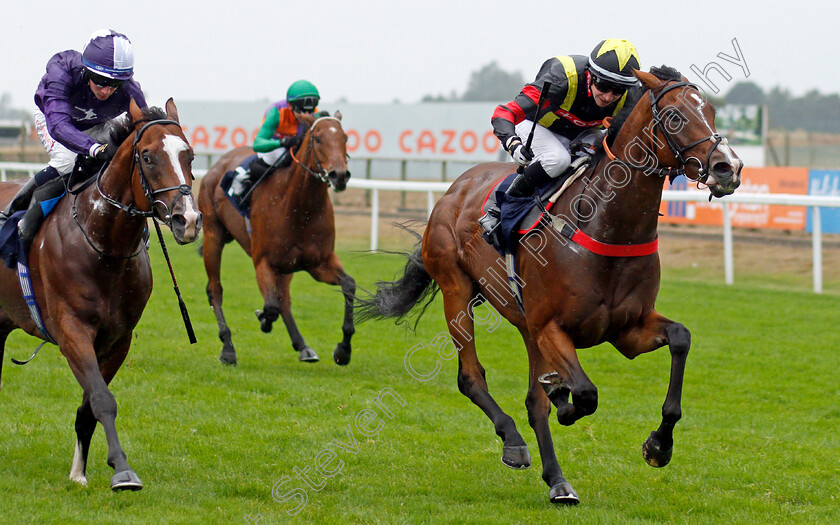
[525, 184]
[34, 216]
[20, 201]
[258, 169]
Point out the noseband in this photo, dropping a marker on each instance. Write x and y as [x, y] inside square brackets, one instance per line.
[321, 174]
[150, 193]
[677, 150]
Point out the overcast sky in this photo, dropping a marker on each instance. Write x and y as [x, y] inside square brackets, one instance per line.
[378, 51]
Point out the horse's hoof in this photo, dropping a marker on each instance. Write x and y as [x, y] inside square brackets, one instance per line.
[228, 357]
[563, 493]
[125, 480]
[265, 324]
[566, 415]
[516, 457]
[308, 355]
[654, 453]
[341, 354]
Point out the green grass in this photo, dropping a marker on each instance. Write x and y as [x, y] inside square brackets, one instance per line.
[758, 442]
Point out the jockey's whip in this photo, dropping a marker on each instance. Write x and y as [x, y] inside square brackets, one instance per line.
[184, 313]
[546, 87]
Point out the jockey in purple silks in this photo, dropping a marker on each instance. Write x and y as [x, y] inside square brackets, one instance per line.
[77, 96]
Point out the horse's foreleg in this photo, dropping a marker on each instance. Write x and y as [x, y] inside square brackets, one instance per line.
[539, 408]
[656, 331]
[212, 255]
[567, 376]
[333, 273]
[274, 288]
[85, 425]
[103, 406]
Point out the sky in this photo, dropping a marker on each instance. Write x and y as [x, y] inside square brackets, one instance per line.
[366, 51]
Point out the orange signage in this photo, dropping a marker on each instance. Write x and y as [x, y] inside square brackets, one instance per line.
[753, 180]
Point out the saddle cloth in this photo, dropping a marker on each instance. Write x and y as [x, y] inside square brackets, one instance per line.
[237, 193]
[520, 215]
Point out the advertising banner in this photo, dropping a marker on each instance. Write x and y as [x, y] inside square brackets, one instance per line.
[753, 180]
[443, 131]
[824, 182]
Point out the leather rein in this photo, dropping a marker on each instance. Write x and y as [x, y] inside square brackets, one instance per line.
[321, 174]
[150, 193]
[677, 150]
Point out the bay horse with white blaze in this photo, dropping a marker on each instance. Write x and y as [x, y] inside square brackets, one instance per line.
[572, 296]
[90, 269]
[292, 230]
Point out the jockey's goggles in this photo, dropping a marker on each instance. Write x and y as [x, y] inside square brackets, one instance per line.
[605, 86]
[104, 82]
[305, 104]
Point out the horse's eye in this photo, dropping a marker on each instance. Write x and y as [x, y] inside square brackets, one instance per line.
[317, 139]
[147, 158]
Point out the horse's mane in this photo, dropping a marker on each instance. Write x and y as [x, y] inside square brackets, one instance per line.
[118, 129]
[635, 93]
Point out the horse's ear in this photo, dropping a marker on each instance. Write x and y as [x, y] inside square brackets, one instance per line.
[648, 80]
[171, 110]
[337, 114]
[135, 111]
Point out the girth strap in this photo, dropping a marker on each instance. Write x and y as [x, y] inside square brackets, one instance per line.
[602, 248]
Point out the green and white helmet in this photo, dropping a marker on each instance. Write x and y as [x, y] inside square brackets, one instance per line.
[303, 96]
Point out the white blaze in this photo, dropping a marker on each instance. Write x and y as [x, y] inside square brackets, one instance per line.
[173, 146]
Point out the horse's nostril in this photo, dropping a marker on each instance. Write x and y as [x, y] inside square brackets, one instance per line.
[178, 222]
[723, 168]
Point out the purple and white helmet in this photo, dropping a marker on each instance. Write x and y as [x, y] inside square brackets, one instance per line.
[109, 54]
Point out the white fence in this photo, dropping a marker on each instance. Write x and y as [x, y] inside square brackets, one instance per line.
[815, 202]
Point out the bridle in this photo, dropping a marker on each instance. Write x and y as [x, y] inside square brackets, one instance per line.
[678, 151]
[321, 173]
[150, 193]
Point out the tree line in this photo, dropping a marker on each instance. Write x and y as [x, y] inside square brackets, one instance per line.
[813, 111]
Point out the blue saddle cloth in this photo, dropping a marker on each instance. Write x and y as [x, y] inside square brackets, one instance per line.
[519, 215]
[11, 247]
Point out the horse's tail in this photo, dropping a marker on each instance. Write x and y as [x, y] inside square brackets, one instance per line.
[396, 299]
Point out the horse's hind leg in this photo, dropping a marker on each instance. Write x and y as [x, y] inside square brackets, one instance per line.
[333, 273]
[539, 408]
[654, 332]
[212, 255]
[457, 293]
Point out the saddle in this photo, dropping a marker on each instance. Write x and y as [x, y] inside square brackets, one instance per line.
[518, 216]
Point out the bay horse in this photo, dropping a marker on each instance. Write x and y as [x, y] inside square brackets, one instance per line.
[90, 269]
[292, 230]
[572, 296]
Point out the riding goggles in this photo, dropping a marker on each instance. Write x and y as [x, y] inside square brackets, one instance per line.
[305, 104]
[605, 86]
[103, 82]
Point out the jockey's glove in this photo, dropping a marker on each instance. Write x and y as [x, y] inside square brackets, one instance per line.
[520, 154]
[103, 152]
[290, 142]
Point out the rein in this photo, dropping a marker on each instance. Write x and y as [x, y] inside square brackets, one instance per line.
[321, 174]
[677, 150]
[134, 211]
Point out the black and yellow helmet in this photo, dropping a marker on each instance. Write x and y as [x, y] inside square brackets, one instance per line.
[614, 60]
